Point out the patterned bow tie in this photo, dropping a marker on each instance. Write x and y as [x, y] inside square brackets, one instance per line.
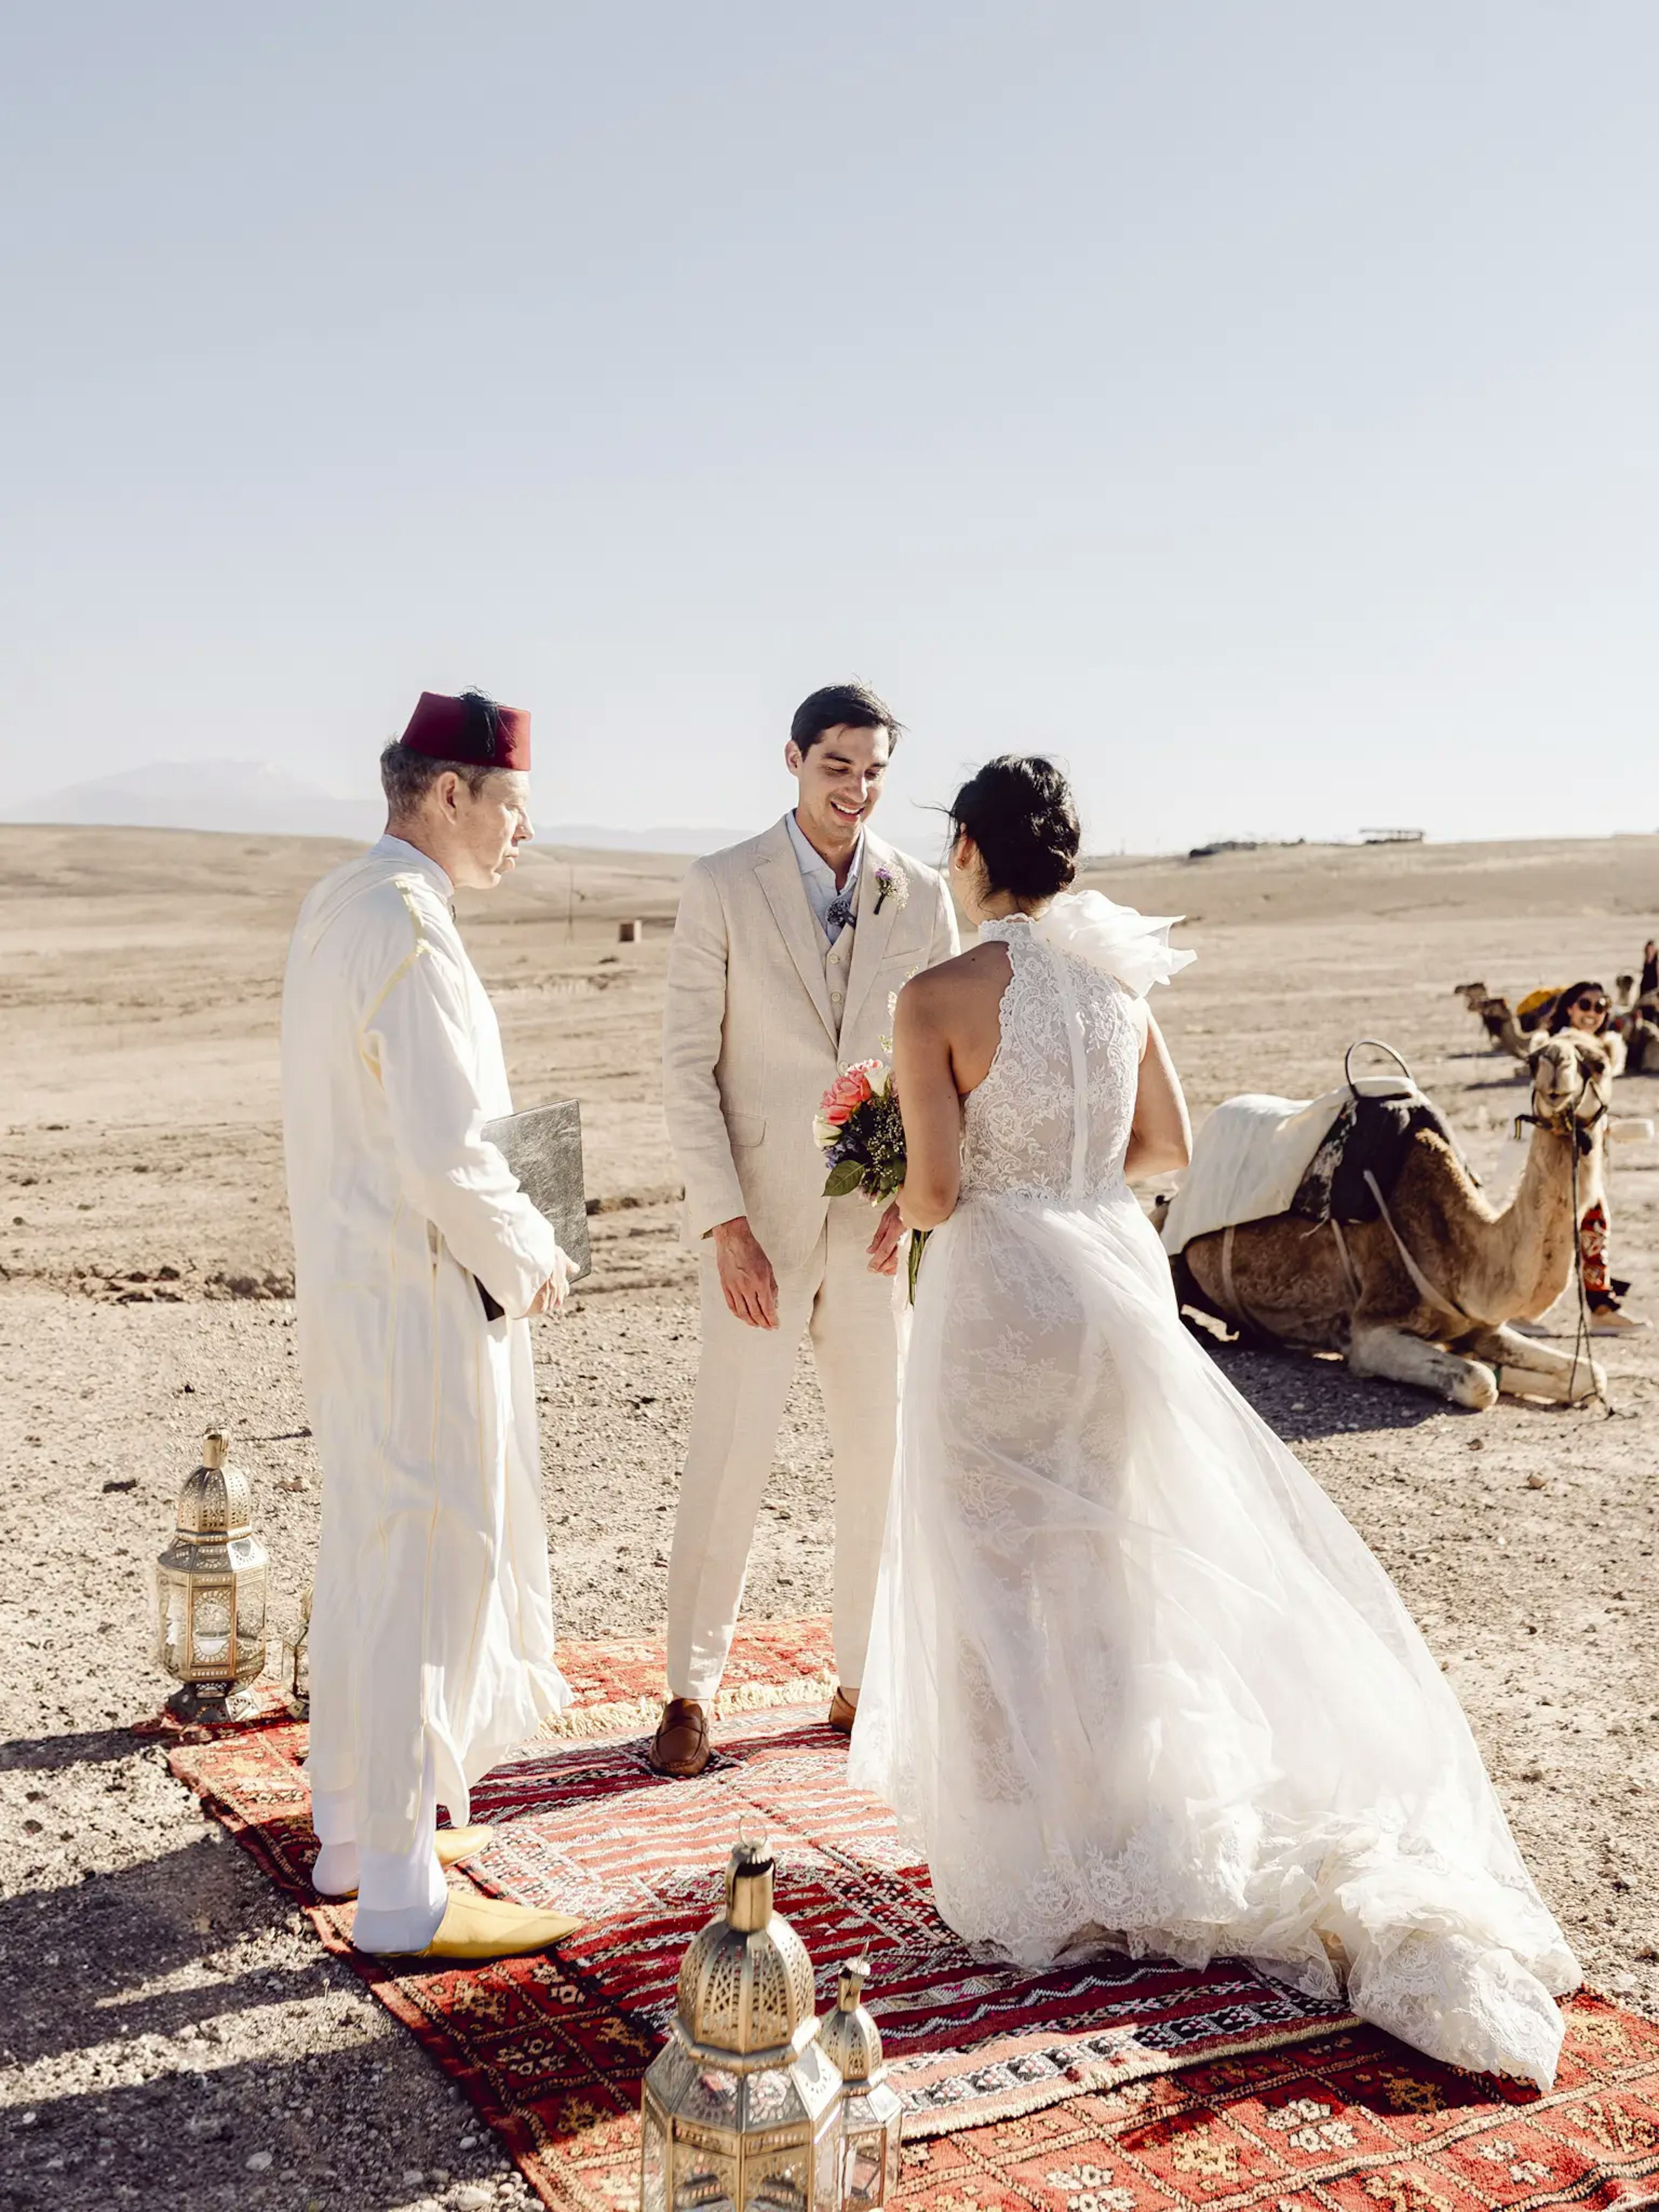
[841, 915]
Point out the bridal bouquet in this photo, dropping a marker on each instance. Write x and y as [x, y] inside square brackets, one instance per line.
[861, 1133]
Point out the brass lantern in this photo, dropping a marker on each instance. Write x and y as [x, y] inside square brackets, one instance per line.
[211, 1593]
[740, 2107]
[871, 2114]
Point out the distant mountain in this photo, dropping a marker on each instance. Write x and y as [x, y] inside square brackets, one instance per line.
[256, 799]
[250, 796]
[593, 836]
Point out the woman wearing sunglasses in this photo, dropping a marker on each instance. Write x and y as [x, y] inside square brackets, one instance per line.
[1586, 1006]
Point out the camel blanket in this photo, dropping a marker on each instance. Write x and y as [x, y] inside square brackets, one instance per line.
[1251, 1155]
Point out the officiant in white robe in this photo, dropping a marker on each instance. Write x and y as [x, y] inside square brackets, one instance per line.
[432, 1632]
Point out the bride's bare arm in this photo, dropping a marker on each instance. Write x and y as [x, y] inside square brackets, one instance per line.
[1161, 1136]
[927, 1097]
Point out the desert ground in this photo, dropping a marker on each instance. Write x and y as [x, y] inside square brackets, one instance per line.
[165, 2018]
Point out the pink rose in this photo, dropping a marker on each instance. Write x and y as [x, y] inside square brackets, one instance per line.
[849, 1091]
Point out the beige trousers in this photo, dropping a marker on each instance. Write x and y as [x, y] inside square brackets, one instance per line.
[742, 1379]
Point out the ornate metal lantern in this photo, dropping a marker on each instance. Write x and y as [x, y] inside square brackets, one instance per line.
[740, 2109]
[871, 2114]
[211, 1593]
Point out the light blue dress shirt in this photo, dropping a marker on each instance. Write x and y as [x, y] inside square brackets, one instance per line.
[818, 878]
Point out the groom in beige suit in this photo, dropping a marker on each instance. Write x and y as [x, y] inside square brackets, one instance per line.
[786, 954]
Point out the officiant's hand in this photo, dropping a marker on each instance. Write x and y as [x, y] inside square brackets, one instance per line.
[746, 1278]
[884, 1245]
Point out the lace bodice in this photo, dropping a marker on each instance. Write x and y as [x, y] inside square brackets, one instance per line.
[1067, 1029]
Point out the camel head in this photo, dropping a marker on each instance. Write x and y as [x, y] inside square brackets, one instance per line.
[1572, 1084]
[1472, 994]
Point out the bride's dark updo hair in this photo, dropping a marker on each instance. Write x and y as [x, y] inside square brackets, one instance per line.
[1018, 811]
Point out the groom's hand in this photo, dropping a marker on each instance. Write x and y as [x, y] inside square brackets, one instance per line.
[746, 1278]
[884, 1245]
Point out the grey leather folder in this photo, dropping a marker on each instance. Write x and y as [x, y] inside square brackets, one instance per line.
[543, 1148]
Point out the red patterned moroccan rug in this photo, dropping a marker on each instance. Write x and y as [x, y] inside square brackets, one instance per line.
[1116, 2086]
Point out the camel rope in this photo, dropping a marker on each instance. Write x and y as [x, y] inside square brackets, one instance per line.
[1568, 1124]
[1581, 1335]
[1348, 1267]
[1425, 1287]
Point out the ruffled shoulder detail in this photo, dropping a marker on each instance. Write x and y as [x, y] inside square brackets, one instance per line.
[1133, 947]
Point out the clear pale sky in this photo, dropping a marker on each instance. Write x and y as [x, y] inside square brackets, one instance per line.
[1256, 405]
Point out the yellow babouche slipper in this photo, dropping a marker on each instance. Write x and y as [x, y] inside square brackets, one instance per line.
[454, 1846]
[475, 1927]
[457, 1844]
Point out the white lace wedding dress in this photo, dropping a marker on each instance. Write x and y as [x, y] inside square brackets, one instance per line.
[1133, 1678]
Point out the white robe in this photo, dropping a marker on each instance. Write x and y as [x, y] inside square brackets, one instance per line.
[432, 1617]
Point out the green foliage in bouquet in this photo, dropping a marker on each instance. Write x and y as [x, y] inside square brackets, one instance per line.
[861, 1131]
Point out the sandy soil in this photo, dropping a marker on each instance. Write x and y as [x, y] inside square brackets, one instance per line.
[164, 2018]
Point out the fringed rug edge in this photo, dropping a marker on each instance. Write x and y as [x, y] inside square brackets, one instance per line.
[640, 1715]
[1119, 2072]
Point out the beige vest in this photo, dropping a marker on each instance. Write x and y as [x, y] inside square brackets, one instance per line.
[837, 967]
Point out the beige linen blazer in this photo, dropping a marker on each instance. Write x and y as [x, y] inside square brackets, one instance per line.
[751, 1039]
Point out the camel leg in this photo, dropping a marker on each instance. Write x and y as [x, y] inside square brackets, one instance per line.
[1528, 1369]
[1378, 1348]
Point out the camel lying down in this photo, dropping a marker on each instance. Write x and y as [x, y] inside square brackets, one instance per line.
[1497, 1019]
[1424, 1294]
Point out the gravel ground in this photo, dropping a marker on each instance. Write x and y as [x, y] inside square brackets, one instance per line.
[170, 2031]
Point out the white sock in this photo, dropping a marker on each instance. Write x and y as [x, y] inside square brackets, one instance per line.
[403, 1894]
[411, 1921]
[335, 1873]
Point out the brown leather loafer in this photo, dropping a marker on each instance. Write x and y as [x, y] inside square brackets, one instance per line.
[843, 1711]
[680, 1746]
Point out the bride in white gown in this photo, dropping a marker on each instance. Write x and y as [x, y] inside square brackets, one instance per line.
[1134, 1679]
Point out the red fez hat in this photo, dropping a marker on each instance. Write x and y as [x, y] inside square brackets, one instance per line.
[472, 728]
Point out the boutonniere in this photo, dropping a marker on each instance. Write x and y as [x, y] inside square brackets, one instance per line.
[891, 883]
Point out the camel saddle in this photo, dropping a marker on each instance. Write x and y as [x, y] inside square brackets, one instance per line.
[1258, 1156]
[1362, 1152]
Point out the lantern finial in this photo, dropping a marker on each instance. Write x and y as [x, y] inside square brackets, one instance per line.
[749, 1884]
